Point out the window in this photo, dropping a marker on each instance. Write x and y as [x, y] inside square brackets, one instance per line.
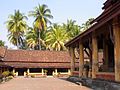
[62, 70]
[35, 70]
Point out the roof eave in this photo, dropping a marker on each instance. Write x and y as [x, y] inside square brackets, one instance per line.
[95, 26]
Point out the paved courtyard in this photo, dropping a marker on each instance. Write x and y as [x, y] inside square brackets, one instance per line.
[49, 83]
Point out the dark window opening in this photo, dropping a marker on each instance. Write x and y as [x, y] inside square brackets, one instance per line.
[35, 70]
[62, 70]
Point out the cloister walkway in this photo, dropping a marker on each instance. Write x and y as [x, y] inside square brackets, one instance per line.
[49, 83]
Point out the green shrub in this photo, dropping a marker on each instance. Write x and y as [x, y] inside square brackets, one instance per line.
[10, 77]
[45, 71]
[11, 74]
[32, 76]
[5, 73]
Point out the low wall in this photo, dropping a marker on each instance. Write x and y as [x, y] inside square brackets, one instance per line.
[37, 74]
[75, 73]
[105, 75]
[62, 74]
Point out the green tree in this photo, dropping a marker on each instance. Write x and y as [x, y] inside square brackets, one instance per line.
[2, 43]
[16, 26]
[42, 15]
[32, 38]
[56, 37]
[87, 24]
[72, 28]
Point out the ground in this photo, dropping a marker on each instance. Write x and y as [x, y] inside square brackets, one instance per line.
[49, 83]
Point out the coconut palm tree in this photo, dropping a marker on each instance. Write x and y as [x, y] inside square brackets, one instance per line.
[2, 43]
[56, 37]
[72, 28]
[87, 24]
[42, 15]
[16, 26]
[32, 38]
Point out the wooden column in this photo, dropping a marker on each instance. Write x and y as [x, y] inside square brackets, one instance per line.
[28, 71]
[90, 58]
[42, 71]
[69, 72]
[116, 31]
[13, 70]
[105, 54]
[72, 54]
[56, 73]
[81, 60]
[94, 56]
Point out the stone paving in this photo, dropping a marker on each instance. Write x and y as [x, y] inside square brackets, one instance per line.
[49, 83]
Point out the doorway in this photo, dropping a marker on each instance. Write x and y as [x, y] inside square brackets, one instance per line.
[21, 71]
[50, 71]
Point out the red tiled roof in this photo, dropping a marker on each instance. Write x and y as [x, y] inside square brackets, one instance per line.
[2, 51]
[38, 65]
[37, 56]
[37, 59]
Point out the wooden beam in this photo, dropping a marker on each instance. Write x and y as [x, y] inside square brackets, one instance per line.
[87, 52]
[116, 31]
[81, 60]
[94, 56]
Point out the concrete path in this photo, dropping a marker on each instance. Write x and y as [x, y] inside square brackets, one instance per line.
[49, 83]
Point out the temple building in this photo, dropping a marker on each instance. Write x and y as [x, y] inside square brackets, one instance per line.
[35, 62]
[102, 37]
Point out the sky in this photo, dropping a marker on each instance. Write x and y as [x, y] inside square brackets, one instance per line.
[79, 10]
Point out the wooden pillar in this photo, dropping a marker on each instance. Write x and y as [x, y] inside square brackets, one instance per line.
[81, 60]
[90, 58]
[94, 56]
[105, 54]
[116, 31]
[16, 73]
[69, 72]
[72, 59]
[28, 71]
[56, 73]
[13, 70]
[42, 71]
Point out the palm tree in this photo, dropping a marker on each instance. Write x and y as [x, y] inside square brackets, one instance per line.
[87, 24]
[32, 38]
[72, 28]
[56, 37]
[42, 15]
[16, 26]
[2, 43]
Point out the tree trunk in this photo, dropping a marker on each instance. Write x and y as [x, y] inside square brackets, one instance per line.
[17, 43]
[39, 46]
